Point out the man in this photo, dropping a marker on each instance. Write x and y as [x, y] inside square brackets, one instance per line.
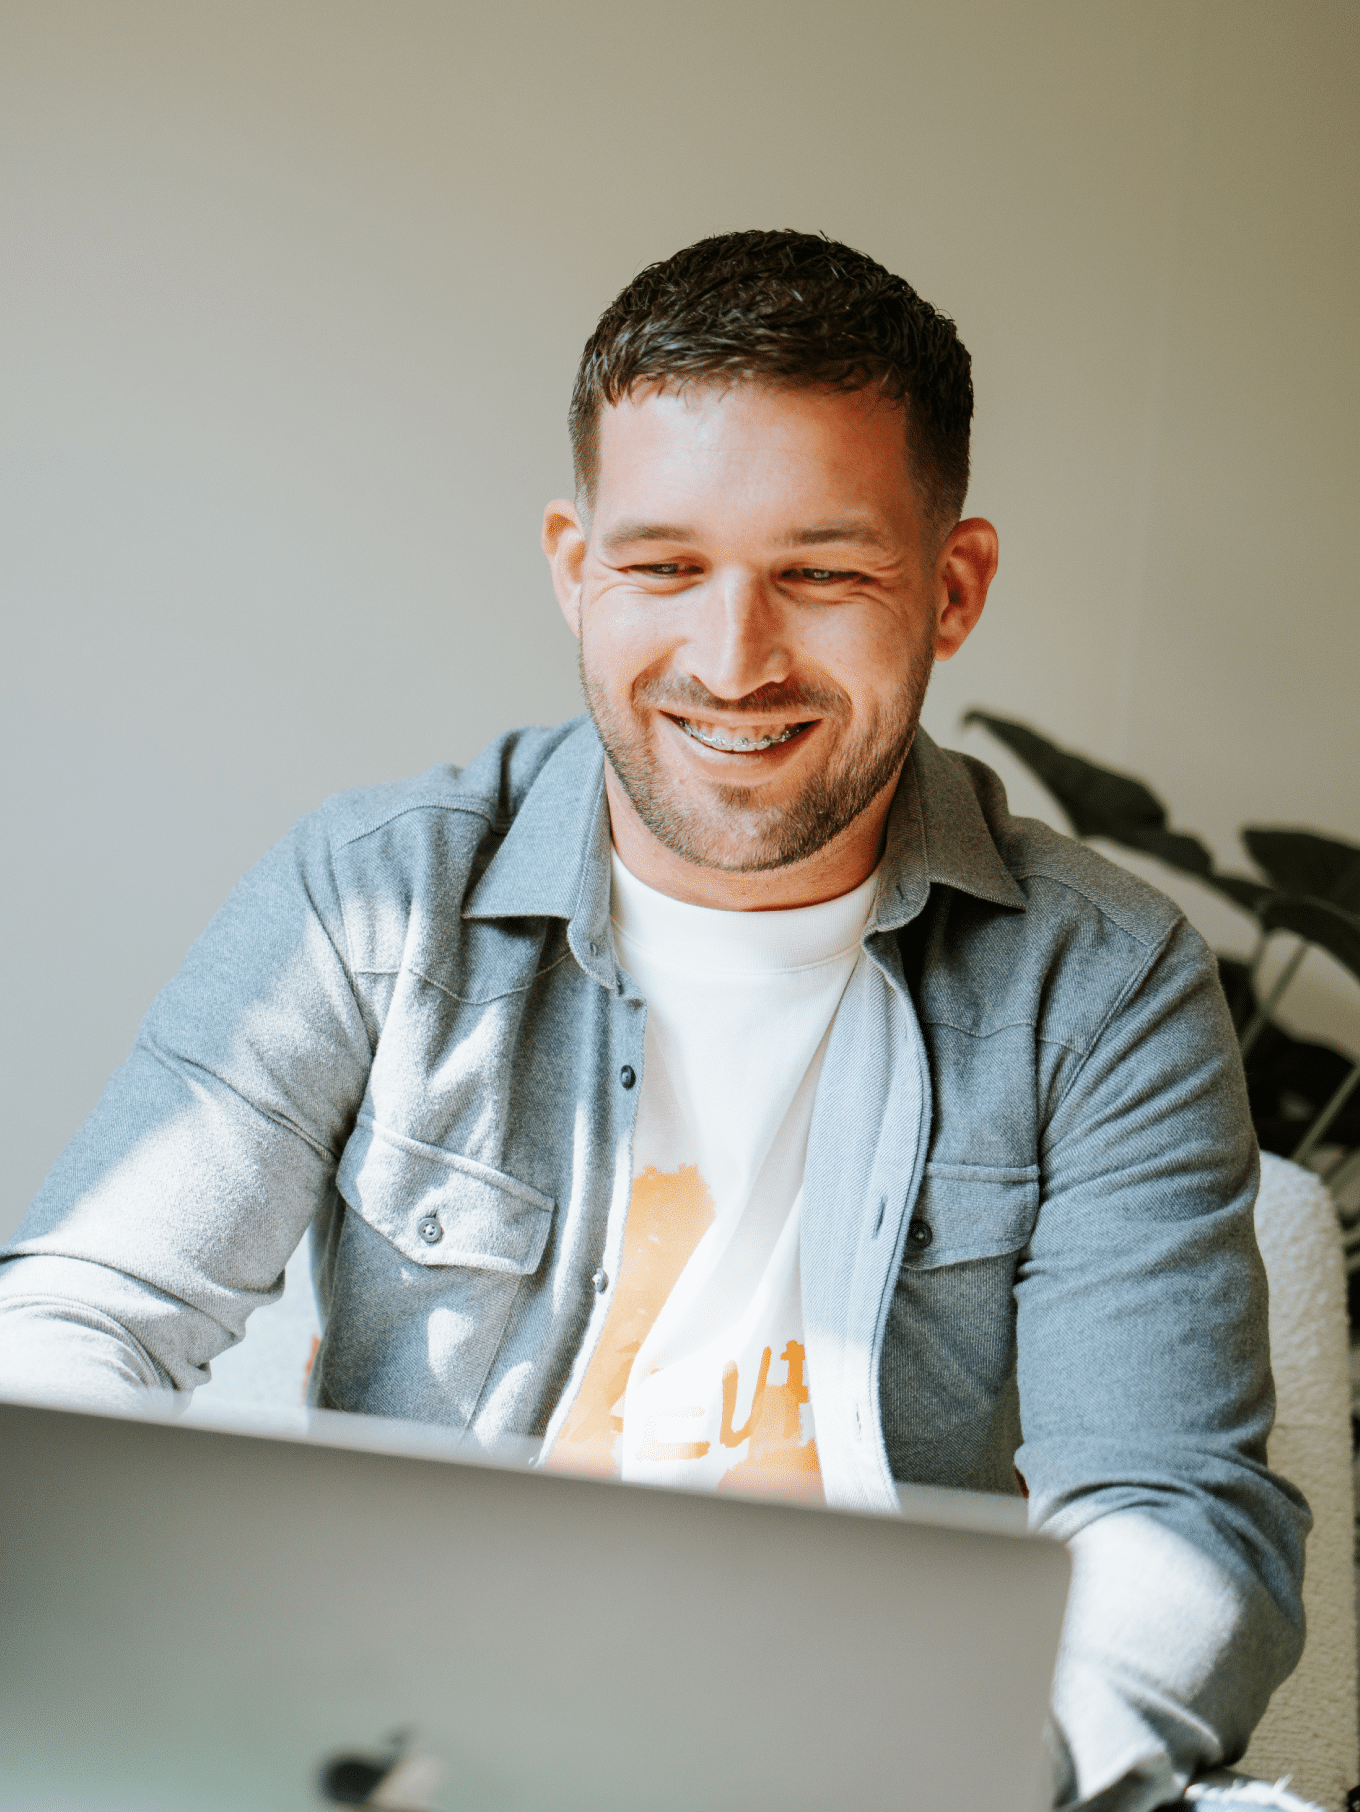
[750, 1101]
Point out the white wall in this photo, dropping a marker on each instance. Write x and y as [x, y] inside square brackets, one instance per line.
[291, 297]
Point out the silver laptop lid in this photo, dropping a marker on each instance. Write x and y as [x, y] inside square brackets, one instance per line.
[194, 1619]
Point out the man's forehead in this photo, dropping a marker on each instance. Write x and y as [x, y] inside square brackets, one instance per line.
[837, 456]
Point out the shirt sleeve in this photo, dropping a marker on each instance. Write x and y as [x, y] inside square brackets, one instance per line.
[173, 1212]
[1146, 1399]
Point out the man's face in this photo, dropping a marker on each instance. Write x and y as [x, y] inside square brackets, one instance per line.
[757, 615]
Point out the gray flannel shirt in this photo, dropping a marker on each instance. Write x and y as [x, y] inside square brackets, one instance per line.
[1027, 1233]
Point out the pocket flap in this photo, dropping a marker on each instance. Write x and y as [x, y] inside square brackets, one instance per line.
[438, 1208]
[971, 1211]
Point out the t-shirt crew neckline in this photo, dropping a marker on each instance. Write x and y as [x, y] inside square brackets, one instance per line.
[709, 940]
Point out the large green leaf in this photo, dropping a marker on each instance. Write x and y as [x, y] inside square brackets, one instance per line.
[1319, 921]
[1303, 862]
[1239, 888]
[1099, 802]
[1102, 803]
[1174, 848]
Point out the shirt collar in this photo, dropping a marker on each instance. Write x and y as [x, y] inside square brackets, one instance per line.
[937, 836]
[554, 861]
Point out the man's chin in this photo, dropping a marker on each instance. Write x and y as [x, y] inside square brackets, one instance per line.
[750, 857]
[733, 837]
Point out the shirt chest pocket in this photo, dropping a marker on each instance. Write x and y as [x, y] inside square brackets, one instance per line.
[971, 1211]
[440, 1209]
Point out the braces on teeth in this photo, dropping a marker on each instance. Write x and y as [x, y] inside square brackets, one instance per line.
[712, 740]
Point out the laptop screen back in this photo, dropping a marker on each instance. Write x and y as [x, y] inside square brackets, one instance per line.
[194, 1620]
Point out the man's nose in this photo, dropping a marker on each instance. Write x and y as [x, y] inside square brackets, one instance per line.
[740, 639]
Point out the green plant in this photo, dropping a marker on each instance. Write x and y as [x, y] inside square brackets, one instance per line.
[1301, 1093]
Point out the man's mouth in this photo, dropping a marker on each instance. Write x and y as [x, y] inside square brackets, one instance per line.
[737, 743]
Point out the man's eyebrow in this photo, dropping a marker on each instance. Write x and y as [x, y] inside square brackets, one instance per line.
[830, 532]
[627, 533]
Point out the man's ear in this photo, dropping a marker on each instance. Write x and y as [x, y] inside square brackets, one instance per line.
[964, 568]
[564, 542]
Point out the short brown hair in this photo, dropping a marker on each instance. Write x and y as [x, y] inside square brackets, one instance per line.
[792, 308]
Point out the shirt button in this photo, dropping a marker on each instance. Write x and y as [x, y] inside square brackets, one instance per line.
[919, 1234]
[429, 1229]
[601, 1282]
[628, 1075]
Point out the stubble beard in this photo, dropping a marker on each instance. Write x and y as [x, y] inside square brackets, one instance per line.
[721, 827]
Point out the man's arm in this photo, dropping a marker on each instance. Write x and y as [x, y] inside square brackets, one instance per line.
[1146, 1398]
[171, 1215]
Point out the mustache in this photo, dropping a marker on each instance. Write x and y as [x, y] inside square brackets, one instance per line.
[677, 693]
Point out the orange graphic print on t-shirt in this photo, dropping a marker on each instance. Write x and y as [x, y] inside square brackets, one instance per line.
[779, 1458]
[668, 1214]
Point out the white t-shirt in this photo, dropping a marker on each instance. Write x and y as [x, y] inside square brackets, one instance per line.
[699, 1377]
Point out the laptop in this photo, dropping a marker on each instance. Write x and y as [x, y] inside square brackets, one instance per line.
[332, 1610]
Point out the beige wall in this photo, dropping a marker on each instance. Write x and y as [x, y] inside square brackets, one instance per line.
[291, 297]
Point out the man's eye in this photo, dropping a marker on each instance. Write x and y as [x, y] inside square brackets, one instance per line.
[820, 575]
[663, 569]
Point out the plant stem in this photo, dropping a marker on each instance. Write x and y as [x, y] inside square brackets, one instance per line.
[1325, 1118]
[1261, 1018]
[1344, 1171]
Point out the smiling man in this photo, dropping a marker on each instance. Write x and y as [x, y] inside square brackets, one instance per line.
[726, 1089]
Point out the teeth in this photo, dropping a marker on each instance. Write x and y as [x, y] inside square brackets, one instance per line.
[711, 739]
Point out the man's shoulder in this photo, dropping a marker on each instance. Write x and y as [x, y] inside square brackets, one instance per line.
[1060, 876]
[489, 792]
[1079, 938]
[406, 858]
